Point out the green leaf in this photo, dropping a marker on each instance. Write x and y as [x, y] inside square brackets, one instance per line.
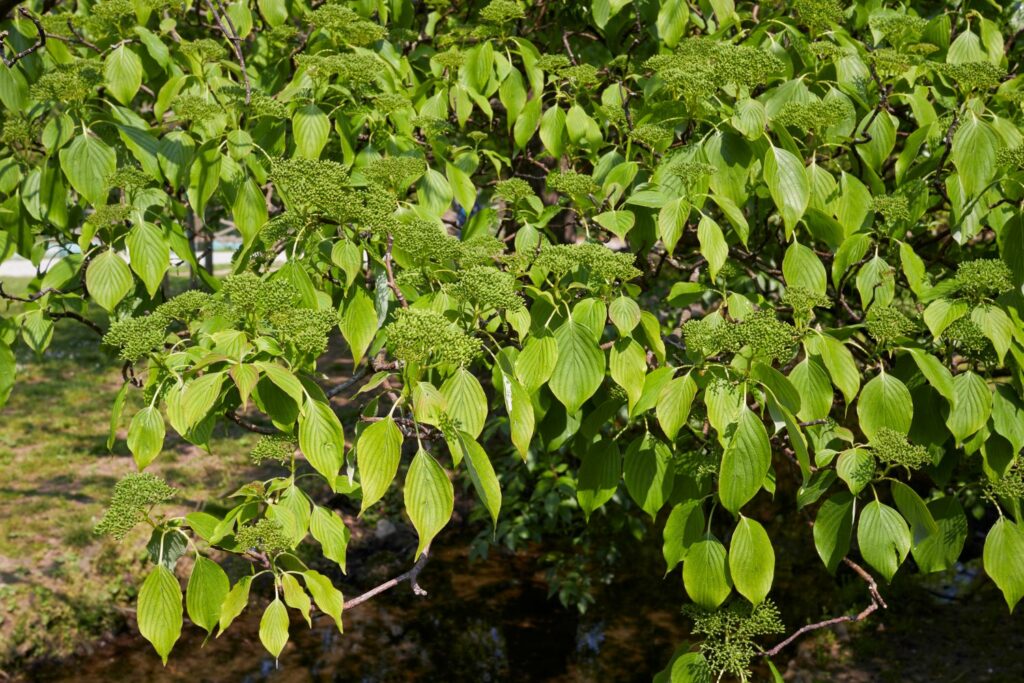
[996, 326]
[671, 23]
[751, 560]
[311, 129]
[706, 573]
[788, 184]
[942, 313]
[1004, 547]
[150, 255]
[942, 549]
[712, 245]
[975, 145]
[883, 538]
[378, 452]
[429, 498]
[321, 438]
[833, 529]
[745, 463]
[249, 210]
[915, 511]
[295, 597]
[672, 222]
[481, 473]
[195, 401]
[109, 279]
[88, 162]
[617, 222]
[536, 362]
[122, 71]
[599, 475]
[159, 611]
[674, 405]
[146, 436]
[935, 372]
[274, 627]
[466, 401]
[684, 527]
[325, 595]
[1007, 415]
[208, 586]
[234, 602]
[801, 267]
[627, 365]
[8, 368]
[856, 467]
[204, 176]
[648, 473]
[972, 405]
[580, 368]
[884, 402]
[284, 379]
[330, 530]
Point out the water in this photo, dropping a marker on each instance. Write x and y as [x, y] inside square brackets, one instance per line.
[485, 621]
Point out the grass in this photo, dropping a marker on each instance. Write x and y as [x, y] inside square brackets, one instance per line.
[61, 585]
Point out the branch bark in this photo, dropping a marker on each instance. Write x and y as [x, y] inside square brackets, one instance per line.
[391, 273]
[40, 39]
[876, 603]
[227, 27]
[411, 576]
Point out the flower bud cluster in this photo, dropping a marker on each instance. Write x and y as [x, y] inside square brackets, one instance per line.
[691, 172]
[887, 323]
[390, 102]
[972, 75]
[487, 287]
[133, 497]
[194, 108]
[816, 115]
[572, 183]
[346, 25]
[68, 83]
[311, 185]
[600, 263]
[893, 207]
[1010, 485]
[968, 337]
[514, 190]
[892, 447]
[137, 337]
[251, 296]
[427, 337]
[898, 28]
[767, 337]
[501, 12]
[304, 329]
[130, 178]
[983, 278]
[730, 632]
[395, 172]
[266, 535]
[803, 301]
[204, 50]
[651, 134]
[700, 66]
[277, 447]
[819, 15]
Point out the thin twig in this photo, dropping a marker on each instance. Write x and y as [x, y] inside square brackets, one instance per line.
[40, 40]
[876, 603]
[80, 318]
[334, 391]
[391, 273]
[411, 576]
[245, 424]
[226, 27]
[409, 427]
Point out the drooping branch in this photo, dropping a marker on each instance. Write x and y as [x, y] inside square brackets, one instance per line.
[227, 27]
[876, 603]
[40, 39]
[412, 576]
[245, 424]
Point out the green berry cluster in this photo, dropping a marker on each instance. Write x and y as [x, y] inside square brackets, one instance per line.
[571, 183]
[514, 190]
[701, 66]
[819, 15]
[1009, 486]
[581, 75]
[501, 12]
[886, 324]
[968, 337]
[450, 59]
[816, 115]
[108, 215]
[312, 186]
[130, 178]
[898, 28]
[204, 50]
[972, 75]
[133, 497]
[892, 447]
[432, 127]
[702, 336]
[266, 535]
[303, 329]
[553, 63]
[428, 338]
[425, 241]
[185, 307]
[277, 447]
[652, 135]
[889, 62]
[195, 108]
[68, 83]
[346, 25]
[1012, 157]
[803, 301]
[894, 207]
[729, 634]
[390, 102]
[691, 172]
[982, 279]
[395, 172]
[18, 131]
[600, 264]
[767, 337]
[487, 287]
[252, 297]
[137, 337]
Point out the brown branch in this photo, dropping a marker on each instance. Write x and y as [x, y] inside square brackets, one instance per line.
[40, 40]
[227, 27]
[80, 318]
[128, 374]
[82, 39]
[410, 427]
[876, 603]
[245, 424]
[29, 299]
[391, 273]
[411, 576]
[334, 391]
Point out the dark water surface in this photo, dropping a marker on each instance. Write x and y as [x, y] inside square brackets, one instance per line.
[481, 621]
